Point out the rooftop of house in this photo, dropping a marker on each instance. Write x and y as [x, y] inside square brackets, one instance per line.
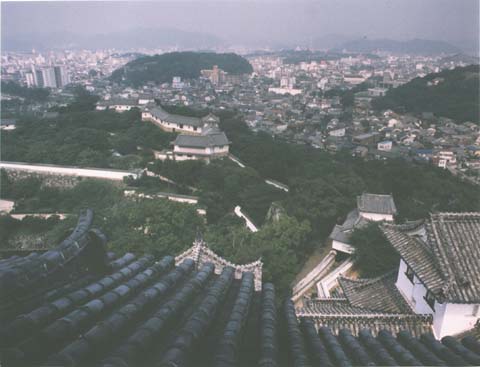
[379, 294]
[446, 260]
[7, 122]
[211, 137]
[163, 115]
[374, 302]
[342, 232]
[375, 203]
[79, 305]
[119, 102]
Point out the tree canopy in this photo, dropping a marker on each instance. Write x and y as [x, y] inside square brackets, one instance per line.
[31, 94]
[454, 94]
[162, 68]
[373, 253]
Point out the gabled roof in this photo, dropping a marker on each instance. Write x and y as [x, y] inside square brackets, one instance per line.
[447, 263]
[189, 311]
[163, 115]
[379, 294]
[342, 232]
[210, 119]
[375, 203]
[202, 141]
[338, 314]
[373, 303]
[455, 241]
[119, 102]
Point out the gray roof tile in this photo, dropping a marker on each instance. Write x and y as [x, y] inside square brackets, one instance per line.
[448, 262]
[374, 203]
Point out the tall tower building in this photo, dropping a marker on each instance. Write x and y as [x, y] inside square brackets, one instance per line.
[30, 79]
[38, 76]
[49, 78]
[61, 76]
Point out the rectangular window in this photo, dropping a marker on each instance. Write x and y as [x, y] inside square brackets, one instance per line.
[430, 299]
[194, 128]
[181, 126]
[409, 273]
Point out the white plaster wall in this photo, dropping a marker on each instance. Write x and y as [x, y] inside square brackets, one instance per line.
[448, 318]
[170, 125]
[438, 317]
[182, 150]
[377, 217]
[182, 199]
[248, 223]
[122, 108]
[223, 149]
[456, 319]
[343, 247]
[413, 293]
[185, 157]
[403, 284]
[6, 205]
[281, 187]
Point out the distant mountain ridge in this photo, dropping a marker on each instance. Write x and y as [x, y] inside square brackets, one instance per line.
[162, 68]
[414, 46]
[132, 39]
[449, 93]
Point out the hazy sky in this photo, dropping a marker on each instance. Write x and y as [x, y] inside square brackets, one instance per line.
[236, 21]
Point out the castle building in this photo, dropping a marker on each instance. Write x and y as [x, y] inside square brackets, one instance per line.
[210, 144]
[79, 305]
[173, 122]
[439, 271]
[370, 207]
[435, 289]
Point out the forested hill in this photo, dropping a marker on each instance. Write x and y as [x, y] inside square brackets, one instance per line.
[162, 68]
[450, 93]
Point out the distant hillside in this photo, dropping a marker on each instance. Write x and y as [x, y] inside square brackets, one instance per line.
[131, 39]
[415, 46]
[456, 95]
[162, 68]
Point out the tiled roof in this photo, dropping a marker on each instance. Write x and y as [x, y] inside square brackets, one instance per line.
[340, 314]
[447, 263]
[375, 203]
[455, 241]
[163, 115]
[343, 232]
[368, 341]
[379, 294]
[417, 255]
[119, 102]
[138, 311]
[212, 139]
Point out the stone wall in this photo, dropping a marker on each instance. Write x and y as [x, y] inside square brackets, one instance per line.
[50, 180]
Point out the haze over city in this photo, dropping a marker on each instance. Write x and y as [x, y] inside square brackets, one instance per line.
[254, 23]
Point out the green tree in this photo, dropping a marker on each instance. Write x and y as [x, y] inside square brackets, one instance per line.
[374, 255]
[158, 227]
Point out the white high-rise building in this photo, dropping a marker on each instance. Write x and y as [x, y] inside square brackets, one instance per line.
[30, 79]
[49, 80]
[61, 76]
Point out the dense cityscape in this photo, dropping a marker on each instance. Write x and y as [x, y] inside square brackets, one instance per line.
[201, 202]
[324, 103]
